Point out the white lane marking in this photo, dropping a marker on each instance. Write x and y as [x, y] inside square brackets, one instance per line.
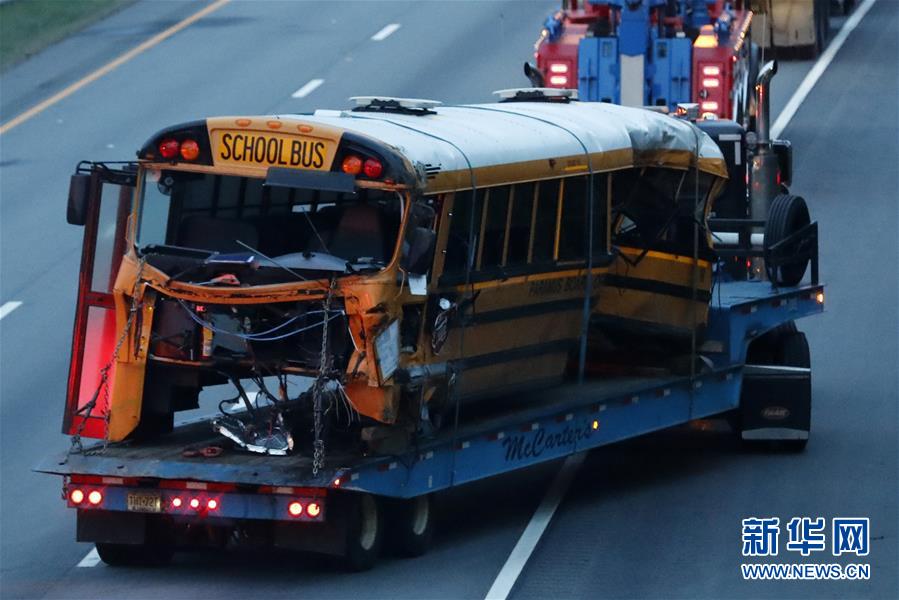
[385, 33]
[508, 575]
[9, 307]
[307, 89]
[91, 560]
[818, 69]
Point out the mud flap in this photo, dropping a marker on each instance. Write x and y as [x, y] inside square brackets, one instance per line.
[776, 403]
[111, 527]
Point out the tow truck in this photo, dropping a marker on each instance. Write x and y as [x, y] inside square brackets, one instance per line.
[141, 500]
[651, 53]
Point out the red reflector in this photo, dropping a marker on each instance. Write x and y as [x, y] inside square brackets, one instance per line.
[373, 168]
[352, 165]
[177, 502]
[190, 150]
[95, 497]
[295, 509]
[168, 148]
[194, 503]
[76, 496]
[313, 510]
[212, 504]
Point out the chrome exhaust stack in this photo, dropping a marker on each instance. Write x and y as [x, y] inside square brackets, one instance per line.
[763, 178]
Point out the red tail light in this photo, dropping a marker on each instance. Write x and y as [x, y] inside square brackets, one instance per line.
[168, 148]
[313, 510]
[295, 509]
[76, 496]
[195, 503]
[177, 502]
[190, 150]
[373, 168]
[352, 165]
[95, 497]
[212, 504]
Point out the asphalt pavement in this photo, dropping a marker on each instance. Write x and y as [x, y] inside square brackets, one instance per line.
[656, 517]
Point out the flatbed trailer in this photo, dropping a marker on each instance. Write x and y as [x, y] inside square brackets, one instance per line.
[166, 493]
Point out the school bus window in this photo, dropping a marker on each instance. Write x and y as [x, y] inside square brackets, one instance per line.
[361, 229]
[520, 224]
[496, 210]
[572, 227]
[600, 213]
[459, 251]
[545, 222]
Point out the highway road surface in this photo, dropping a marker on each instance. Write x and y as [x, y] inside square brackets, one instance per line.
[657, 517]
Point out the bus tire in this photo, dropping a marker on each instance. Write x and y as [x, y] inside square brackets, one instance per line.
[786, 215]
[412, 525]
[130, 555]
[364, 533]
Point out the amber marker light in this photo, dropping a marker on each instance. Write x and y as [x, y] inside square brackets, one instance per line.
[595, 425]
[819, 297]
[352, 165]
[190, 150]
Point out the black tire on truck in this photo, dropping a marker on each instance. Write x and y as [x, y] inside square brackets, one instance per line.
[411, 525]
[134, 555]
[786, 215]
[364, 533]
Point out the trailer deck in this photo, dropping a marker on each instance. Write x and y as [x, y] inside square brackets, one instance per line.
[543, 425]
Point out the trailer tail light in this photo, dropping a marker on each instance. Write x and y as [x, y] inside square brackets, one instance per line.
[95, 498]
[177, 502]
[313, 510]
[194, 503]
[711, 71]
[212, 504]
[76, 496]
[168, 148]
[295, 509]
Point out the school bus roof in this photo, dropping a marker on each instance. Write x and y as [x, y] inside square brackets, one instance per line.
[533, 140]
[458, 147]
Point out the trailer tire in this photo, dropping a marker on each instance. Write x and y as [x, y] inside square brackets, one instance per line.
[365, 531]
[787, 215]
[129, 555]
[412, 522]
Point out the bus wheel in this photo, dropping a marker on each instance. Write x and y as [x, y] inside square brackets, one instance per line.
[143, 555]
[364, 532]
[412, 525]
[787, 215]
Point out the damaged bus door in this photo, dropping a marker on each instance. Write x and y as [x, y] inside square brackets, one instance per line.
[100, 201]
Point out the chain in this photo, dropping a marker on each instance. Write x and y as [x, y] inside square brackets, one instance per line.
[318, 445]
[77, 447]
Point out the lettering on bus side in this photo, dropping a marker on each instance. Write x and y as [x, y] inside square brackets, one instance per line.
[548, 287]
[240, 147]
[534, 444]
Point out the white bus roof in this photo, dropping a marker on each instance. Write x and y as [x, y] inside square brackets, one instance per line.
[520, 141]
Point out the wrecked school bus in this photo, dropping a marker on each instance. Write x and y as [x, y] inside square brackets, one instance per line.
[400, 253]
[388, 292]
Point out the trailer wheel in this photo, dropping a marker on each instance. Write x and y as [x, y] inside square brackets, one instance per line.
[129, 555]
[364, 532]
[412, 524]
[787, 215]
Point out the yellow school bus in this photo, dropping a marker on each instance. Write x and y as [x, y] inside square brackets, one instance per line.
[406, 256]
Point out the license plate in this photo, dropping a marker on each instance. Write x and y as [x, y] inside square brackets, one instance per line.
[144, 502]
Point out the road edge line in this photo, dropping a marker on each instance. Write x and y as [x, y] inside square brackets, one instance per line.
[527, 543]
[812, 77]
[110, 66]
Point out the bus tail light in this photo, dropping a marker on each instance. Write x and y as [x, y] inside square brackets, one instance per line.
[352, 165]
[373, 168]
[711, 71]
[560, 80]
[168, 148]
[190, 150]
[711, 82]
[558, 68]
[710, 106]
